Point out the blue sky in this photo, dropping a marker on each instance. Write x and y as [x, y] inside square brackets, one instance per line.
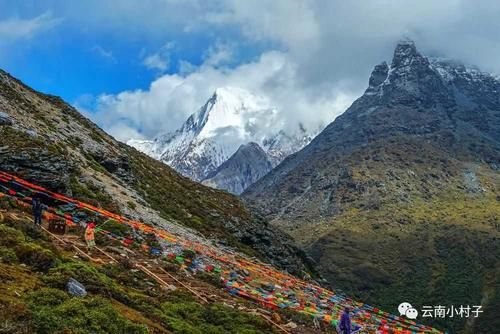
[72, 61]
[140, 68]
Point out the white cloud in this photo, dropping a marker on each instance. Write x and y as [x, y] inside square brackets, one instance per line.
[326, 52]
[293, 23]
[15, 28]
[106, 54]
[321, 31]
[219, 54]
[172, 98]
[159, 61]
[123, 132]
[156, 62]
[315, 55]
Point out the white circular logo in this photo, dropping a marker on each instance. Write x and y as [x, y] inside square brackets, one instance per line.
[407, 310]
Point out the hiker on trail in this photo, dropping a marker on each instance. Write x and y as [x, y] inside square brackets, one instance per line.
[345, 322]
[90, 236]
[38, 208]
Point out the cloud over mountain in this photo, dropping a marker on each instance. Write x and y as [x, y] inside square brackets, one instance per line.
[308, 57]
[173, 97]
[318, 54]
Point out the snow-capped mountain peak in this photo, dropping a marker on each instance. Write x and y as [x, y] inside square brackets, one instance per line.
[231, 117]
[231, 108]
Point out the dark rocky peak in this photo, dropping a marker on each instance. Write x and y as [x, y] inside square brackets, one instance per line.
[409, 80]
[434, 75]
[250, 153]
[247, 165]
[407, 68]
[404, 53]
[408, 64]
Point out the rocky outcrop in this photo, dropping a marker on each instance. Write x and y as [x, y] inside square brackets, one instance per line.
[5, 119]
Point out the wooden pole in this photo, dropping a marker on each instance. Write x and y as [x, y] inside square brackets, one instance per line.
[183, 285]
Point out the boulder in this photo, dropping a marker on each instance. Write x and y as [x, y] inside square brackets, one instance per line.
[5, 119]
[75, 288]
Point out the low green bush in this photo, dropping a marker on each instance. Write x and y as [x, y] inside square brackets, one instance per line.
[34, 255]
[211, 278]
[39, 258]
[10, 237]
[28, 228]
[54, 311]
[8, 255]
[119, 229]
[297, 317]
[194, 318]
[98, 282]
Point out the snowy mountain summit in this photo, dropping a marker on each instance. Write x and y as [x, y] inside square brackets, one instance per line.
[232, 117]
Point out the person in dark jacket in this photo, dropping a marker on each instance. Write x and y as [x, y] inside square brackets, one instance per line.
[345, 322]
[38, 208]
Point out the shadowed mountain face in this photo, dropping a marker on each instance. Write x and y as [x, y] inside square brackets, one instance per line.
[399, 198]
[242, 169]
